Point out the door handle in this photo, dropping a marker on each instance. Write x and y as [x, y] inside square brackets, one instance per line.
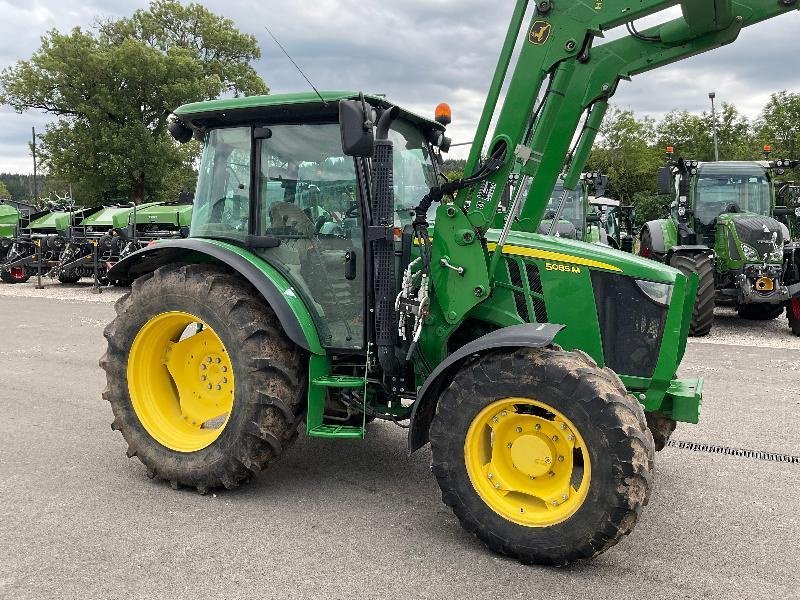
[350, 265]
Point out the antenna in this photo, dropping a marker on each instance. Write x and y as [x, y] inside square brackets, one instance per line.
[296, 66]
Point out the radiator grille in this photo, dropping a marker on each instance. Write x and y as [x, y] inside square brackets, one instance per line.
[526, 286]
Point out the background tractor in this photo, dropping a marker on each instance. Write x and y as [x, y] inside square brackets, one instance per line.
[617, 220]
[722, 227]
[313, 288]
[571, 211]
[13, 216]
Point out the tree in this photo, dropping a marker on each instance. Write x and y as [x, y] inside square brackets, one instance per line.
[114, 87]
[4, 193]
[779, 124]
[626, 152]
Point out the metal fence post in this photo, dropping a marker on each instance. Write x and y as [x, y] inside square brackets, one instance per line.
[39, 285]
[96, 285]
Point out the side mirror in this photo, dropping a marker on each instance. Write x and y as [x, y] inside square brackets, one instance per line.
[358, 137]
[664, 181]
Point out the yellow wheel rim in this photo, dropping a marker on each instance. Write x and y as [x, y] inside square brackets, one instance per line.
[180, 381]
[521, 455]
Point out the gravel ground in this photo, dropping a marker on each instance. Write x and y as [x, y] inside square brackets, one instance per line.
[730, 329]
[83, 291]
[362, 519]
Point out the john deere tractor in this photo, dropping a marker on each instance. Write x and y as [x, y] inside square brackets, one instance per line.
[722, 227]
[313, 289]
[616, 219]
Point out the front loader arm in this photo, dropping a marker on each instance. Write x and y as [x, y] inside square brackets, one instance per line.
[558, 57]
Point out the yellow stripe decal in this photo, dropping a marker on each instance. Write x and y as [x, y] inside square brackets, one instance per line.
[556, 256]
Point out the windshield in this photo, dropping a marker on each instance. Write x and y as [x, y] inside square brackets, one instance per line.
[574, 210]
[731, 191]
[414, 172]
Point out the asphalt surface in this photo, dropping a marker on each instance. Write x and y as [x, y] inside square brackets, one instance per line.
[362, 519]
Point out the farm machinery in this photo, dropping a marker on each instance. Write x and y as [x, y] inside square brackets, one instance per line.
[312, 288]
[13, 216]
[724, 227]
[38, 245]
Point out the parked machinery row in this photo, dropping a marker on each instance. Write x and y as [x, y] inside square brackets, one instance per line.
[68, 242]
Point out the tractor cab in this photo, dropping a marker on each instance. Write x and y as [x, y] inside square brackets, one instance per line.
[275, 179]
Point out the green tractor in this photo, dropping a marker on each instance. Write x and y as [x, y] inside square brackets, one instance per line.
[312, 288]
[568, 213]
[722, 227]
[616, 220]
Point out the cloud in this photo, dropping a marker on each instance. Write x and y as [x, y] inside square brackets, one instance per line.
[419, 53]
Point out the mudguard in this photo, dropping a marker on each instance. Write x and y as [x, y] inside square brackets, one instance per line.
[271, 284]
[529, 335]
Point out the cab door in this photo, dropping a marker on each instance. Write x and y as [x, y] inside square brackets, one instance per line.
[307, 196]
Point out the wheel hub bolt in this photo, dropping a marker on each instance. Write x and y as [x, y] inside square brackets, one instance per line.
[203, 378]
[537, 427]
[203, 367]
[224, 369]
[224, 380]
[497, 486]
[570, 437]
[503, 413]
[551, 474]
[563, 496]
[509, 444]
[219, 387]
[209, 386]
[519, 429]
[218, 360]
[555, 502]
[555, 438]
[491, 475]
[560, 459]
[208, 359]
[563, 426]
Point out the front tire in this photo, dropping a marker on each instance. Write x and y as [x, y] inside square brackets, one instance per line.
[542, 455]
[205, 387]
[760, 312]
[703, 313]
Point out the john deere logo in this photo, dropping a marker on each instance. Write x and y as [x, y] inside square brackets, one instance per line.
[540, 32]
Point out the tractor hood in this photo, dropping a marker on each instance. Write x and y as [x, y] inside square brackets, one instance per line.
[561, 250]
[763, 236]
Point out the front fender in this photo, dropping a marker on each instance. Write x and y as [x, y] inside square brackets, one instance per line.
[270, 283]
[528, 335]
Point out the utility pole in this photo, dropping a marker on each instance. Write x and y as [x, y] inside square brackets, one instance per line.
[33, 148]
[712, 95]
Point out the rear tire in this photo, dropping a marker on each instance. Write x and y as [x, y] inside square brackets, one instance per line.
[760, 312]
[14, 275]
[268, 376]
[793, 313]
[703, 313]
[610, 430]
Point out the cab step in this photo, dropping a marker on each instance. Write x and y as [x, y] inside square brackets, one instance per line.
[339, 381]
[349, 432]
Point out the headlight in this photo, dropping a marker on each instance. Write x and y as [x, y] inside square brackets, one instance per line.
[750, 252]
[661, 293]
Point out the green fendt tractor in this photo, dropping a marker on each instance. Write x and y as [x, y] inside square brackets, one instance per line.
[722, 227]
[617, 220]
[571, 212]
[166, 220]
[311, 288]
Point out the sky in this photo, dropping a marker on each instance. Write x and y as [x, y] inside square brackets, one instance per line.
[418, 52]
